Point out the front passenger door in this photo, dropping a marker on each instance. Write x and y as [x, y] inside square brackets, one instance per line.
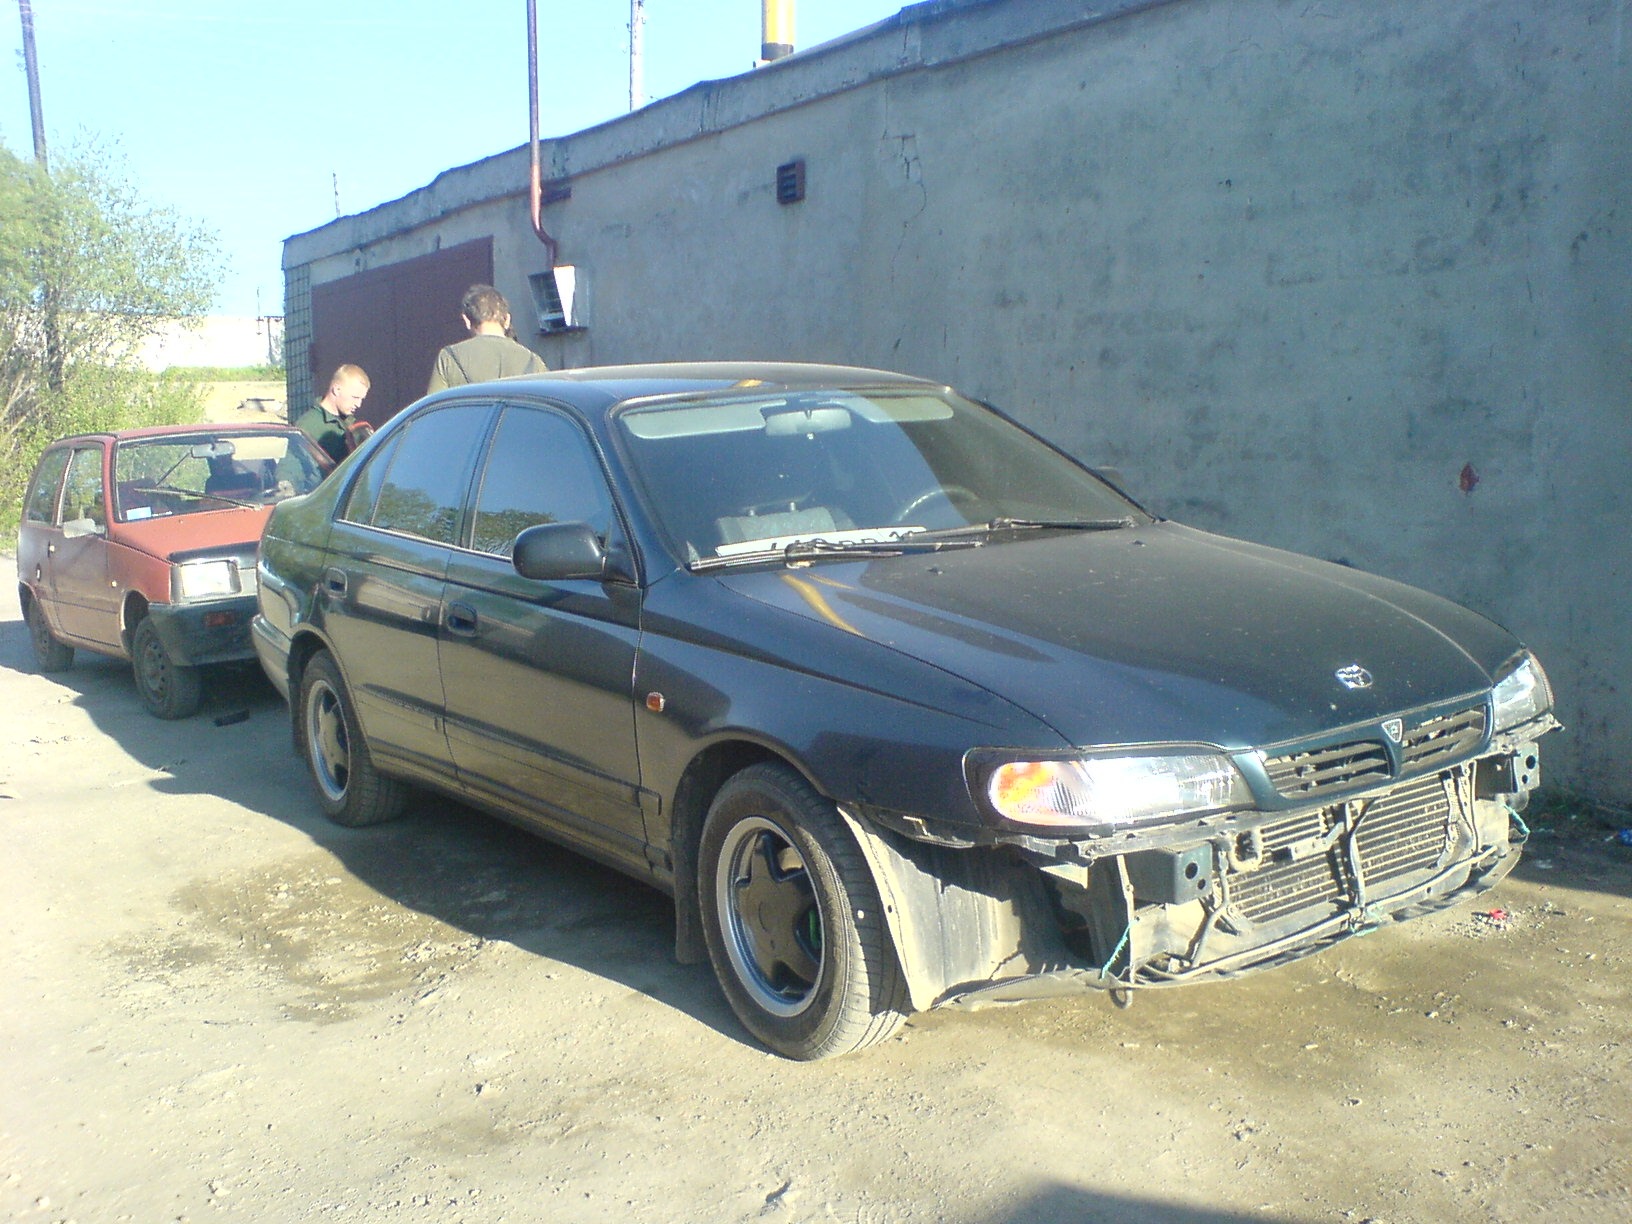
[87, 607]
[538, 676]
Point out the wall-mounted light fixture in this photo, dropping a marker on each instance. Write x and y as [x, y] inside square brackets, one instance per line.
[558, 297]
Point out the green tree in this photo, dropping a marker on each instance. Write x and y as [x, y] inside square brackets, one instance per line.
[88, 271]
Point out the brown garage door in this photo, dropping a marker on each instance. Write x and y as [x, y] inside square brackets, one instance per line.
[393, 320]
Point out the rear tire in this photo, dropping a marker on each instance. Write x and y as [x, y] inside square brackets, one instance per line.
[50, 655]
[350, 790]
[793, 921]
[169, 689]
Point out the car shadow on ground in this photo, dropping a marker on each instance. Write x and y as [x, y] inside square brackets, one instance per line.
[1060, 1204]
[472, 872]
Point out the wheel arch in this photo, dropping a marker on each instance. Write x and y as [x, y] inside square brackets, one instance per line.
[132, 610]
[305, 644]
[701, 781]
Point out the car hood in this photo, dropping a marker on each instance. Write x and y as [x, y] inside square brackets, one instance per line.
[237, 528]
[1157, 633]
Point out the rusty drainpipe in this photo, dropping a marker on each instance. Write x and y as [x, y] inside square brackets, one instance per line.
[536, 185]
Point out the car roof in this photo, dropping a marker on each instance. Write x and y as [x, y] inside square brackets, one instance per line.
[601, 386]
[160, 431]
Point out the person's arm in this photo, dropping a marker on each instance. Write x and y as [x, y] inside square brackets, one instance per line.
[439, 374]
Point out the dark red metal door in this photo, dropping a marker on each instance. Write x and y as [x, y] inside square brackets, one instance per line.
[392, 321]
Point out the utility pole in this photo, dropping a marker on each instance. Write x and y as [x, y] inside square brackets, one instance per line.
[31, 65]
[48, 296]
[637, 54]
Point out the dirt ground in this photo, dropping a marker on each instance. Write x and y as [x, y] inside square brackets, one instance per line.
[224, 1008]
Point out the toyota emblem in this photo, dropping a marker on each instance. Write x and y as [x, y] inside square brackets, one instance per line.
[1354, 677]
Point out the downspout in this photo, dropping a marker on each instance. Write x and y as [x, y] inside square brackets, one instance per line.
[536, 186]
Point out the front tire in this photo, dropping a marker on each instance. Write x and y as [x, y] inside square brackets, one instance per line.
[793, 921]
[350, 790]
[169, 689]
[49, 654]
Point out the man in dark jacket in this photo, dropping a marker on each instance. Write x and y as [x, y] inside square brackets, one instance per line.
[490, 352]
[327, 421]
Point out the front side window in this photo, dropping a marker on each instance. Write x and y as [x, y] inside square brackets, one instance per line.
[41, 504]
[423, 492]
[82, 496]
[541, 469]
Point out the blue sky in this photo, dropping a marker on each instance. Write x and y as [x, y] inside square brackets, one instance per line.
[245, 116]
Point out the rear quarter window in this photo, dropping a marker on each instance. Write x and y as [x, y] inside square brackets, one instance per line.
[40, 505]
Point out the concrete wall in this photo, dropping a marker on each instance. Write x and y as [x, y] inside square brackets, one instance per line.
[1347, 279]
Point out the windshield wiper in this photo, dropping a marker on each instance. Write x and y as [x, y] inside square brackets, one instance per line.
[802, 550]
[1004, 523]
[813, 550]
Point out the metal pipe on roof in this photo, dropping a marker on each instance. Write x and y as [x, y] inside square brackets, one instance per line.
[637, 54]
[535, 191]
[776, 29]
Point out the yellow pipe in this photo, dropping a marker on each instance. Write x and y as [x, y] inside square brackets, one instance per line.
[776, 26]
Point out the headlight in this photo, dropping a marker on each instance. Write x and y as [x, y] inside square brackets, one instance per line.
[1522, 695]
[1111, 792]
[204, 580]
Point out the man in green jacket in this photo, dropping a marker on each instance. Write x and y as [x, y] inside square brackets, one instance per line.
[326, 421]
[490, 352]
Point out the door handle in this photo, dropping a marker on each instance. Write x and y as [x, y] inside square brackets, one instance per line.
[334, 582]
[461, 619]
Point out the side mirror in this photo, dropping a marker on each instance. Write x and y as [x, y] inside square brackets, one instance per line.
[73, 529]
[554, 552]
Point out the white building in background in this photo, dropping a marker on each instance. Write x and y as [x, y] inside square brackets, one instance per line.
[230, 341]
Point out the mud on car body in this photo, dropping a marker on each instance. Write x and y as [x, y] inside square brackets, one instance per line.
[901, 704]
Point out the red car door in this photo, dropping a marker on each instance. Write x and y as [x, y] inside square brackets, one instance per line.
[85, 607]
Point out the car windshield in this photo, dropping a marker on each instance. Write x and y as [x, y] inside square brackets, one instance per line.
[743, 476]
[210, 470]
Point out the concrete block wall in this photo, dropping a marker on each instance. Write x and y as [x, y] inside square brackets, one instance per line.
[1353, 280]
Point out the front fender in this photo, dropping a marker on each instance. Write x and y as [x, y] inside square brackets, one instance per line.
[960, 919]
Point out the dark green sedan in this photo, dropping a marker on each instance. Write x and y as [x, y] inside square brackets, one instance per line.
[901, 704]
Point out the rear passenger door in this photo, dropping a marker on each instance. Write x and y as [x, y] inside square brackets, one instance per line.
[538, 676]
[381, 590]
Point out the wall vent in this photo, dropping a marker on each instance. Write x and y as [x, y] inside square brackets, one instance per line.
[790, 181]
[559, 298]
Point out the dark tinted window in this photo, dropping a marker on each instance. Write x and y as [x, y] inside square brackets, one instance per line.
[359, 507]
[541, 469]
[739, 472]
[424, 487]
[42, 494]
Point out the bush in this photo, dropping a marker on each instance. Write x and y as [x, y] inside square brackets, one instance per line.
[87, 272]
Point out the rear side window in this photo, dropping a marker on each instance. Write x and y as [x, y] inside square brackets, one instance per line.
[540, 469]
[424, 489]
[41, 504]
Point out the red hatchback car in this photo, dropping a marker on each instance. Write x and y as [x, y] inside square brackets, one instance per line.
[141, 545]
